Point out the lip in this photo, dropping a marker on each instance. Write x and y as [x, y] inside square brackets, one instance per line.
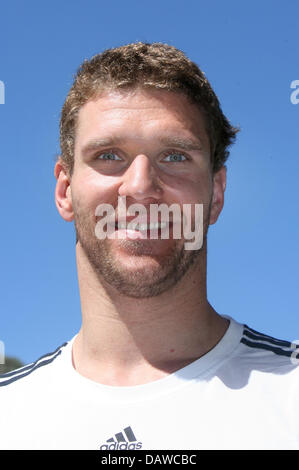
[140, 220]
[162, 234]
[148, 234]
[139, 223]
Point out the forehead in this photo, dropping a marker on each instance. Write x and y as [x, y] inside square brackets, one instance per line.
[139, 114]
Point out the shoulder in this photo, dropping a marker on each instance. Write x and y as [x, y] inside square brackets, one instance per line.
[258, 341]
[260, 364]
[31, 372]
[269, 354]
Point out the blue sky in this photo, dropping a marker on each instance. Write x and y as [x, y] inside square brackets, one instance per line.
[249, 52]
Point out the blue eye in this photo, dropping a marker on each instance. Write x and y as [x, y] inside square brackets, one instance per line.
[108, 156]
[176, 157]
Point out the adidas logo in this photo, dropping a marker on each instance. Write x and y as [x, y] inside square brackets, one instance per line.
[124, 440]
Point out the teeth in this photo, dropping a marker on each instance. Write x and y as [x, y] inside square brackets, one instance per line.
[136, 226]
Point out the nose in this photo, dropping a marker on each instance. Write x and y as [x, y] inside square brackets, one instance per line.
[141, 181]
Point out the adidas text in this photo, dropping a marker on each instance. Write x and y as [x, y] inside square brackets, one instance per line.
[122, 446]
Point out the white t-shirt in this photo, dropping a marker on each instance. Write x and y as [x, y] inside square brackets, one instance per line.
[243, 394]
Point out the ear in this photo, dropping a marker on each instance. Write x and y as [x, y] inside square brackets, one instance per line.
[63, 192]
[219, 185]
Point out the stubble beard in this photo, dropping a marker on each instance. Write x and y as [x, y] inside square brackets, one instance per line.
[163, 273]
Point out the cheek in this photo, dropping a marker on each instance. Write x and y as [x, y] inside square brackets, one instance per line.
[192, 190]
[92, 189]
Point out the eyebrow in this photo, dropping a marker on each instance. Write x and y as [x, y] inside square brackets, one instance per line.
[170, 141]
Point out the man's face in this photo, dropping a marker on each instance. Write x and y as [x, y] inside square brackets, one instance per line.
[151, 147]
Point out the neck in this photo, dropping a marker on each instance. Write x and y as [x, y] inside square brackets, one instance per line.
[128, 341]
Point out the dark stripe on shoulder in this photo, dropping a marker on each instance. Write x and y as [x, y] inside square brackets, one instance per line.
[266, 337]
[40, 364]
[268, 347]
[31, 365]
[260, 337]
[24, 371]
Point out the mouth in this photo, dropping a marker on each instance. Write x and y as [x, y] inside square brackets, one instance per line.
[142, 227]
[150, 230]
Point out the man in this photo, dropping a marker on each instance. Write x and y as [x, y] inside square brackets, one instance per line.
[153, 366]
